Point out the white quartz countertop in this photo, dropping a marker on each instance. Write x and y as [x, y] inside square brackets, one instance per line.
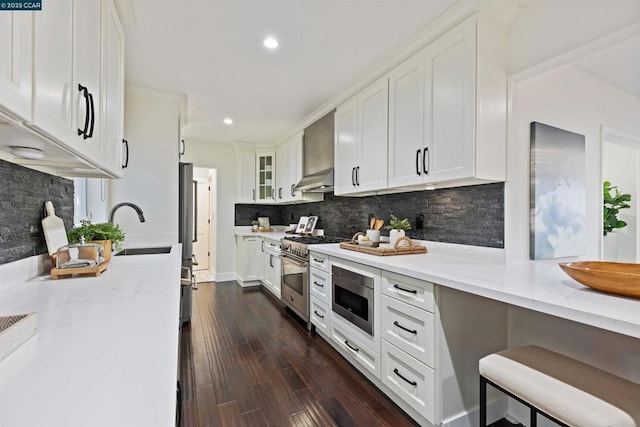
[243, 231]
[105, 351]
[539, 286]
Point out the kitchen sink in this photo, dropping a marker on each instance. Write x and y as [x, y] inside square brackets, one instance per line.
[145, 251]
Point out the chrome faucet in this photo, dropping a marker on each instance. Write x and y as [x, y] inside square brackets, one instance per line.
[134, 206]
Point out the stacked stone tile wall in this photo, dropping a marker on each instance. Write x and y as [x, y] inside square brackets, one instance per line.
[23, 192]
[472, 215]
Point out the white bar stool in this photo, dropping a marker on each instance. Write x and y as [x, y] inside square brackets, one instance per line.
[566, 391]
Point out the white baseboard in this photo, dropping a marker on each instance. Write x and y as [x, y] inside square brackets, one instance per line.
[224, 277]
[495, 411]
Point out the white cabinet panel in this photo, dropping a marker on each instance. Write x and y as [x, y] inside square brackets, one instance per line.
[366, 358]
[319, 261]
[320, 285]
[412, 381]
[283, 187]
[410, 329]
[246, 177]
[346, 147]
[16, 63]
[406, 122]
[371, 170]
[407, 289]
[319, 315]
[252, 248]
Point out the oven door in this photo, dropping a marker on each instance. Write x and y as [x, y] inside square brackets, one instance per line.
[294, 286]
[353, 301]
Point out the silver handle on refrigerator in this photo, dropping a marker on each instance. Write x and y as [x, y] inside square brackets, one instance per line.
[195, 211]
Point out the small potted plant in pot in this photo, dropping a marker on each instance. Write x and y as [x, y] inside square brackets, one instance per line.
[255, 224]
[397, 228]
[106, 234]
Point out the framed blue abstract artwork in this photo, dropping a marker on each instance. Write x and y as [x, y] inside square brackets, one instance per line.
[557, 193]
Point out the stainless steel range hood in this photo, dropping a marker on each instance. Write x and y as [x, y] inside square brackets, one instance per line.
[318, 156]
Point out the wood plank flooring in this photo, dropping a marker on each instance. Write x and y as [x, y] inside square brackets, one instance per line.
[247, 362]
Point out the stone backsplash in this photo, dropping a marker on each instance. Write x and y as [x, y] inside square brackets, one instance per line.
[472, 215]
[23, 192]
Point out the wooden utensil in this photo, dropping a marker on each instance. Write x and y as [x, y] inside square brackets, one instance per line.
[54, 232]
[378, 225]
[372, 223]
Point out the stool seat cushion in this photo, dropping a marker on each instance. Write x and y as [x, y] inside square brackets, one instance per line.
[571, 391]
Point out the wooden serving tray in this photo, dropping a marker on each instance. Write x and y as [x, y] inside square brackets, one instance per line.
[396, 250]
[94, 271]
[264, 230]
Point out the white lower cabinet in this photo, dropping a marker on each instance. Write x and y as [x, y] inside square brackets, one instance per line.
[413, 381]
[272, 266]
[320, 285]
[320, 315]
[249, 260]
[410, 329]
[366, 358]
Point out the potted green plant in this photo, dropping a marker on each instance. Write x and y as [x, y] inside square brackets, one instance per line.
[106, 234]
[613, 201]
[397, 228]
[255, 224]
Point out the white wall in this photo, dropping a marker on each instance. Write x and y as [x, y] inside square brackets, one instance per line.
[545, 29]
[151, 125]
[568, 99]
[222, 157]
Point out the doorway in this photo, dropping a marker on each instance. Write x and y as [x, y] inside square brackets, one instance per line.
[621, 167]
[204, 245]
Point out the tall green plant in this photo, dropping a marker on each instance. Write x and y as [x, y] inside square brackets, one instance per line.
[103, 231]
[613, 202]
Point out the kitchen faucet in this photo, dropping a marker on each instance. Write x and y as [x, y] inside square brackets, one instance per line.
[132, 205]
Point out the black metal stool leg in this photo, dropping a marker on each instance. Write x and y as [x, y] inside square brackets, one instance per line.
[483, 401]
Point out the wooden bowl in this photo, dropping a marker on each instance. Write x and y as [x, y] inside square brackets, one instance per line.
[613, 277]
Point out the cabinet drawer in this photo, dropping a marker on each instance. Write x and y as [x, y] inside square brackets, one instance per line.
[366, 358]
[319, 261]
[412, 381]
[320, 285]
[273, 245]
[409, 328]
[319, 315]
[412, 291]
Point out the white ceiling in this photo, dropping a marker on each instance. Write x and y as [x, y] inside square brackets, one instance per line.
[212, 51]
[618, 65]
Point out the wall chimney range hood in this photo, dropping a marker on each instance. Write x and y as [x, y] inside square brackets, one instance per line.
[318, 156]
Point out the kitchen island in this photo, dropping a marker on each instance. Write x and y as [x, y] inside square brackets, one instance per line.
[105, 351]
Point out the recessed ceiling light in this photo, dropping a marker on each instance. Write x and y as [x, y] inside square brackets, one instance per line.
[27, 153]
[227, 121]
[270, 43]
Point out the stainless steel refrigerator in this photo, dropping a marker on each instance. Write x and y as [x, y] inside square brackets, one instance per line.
[186, 236]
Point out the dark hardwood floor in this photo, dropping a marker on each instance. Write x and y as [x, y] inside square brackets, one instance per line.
[247, 362]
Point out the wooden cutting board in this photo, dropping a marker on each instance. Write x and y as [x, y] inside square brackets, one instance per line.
[54, 232]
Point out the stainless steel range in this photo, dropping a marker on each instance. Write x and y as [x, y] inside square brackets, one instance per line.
[295, 270]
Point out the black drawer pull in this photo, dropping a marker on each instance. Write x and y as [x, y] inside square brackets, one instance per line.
[411, 291]
[412, 331]
[318, 284]
[319, 261]
[350, 346]
[413, 383]
[318, 314]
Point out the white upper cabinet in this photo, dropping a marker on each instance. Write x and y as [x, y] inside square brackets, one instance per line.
[406, 122]
[361, 127]
[246, 163]
[113, 91]
[16, 63]
[447, 104]
[346, 147]
[283, 190]
[266, 177]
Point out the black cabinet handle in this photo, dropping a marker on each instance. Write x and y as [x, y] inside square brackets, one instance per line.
[418, 162]
[318, 284]
[318, 314]
[424, 161]
[262, 246]
[350, 346]
[358, 175]
[254, 194]
[184, 147]
[293, 190]
[321, 261]
[353, 176]
[413, 383]
[270, 260]
[85, 93]
[126, 148]
[411, 291]
[280, 193]
[412, 331]
[93, 117]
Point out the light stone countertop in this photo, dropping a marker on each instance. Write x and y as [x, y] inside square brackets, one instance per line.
[538, 286]
[105, 352]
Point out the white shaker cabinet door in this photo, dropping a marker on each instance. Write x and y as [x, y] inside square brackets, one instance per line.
[16, 62]
[450, 105]
[406, 122]
[54, 94]
[346, 147]
[371, 169]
